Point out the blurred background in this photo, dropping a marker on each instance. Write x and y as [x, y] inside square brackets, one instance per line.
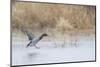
[53, 18]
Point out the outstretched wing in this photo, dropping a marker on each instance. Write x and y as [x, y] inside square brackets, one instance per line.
[30, 35]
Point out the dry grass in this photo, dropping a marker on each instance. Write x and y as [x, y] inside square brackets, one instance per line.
[40, 17]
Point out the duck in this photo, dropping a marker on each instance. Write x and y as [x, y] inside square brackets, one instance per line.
[33, 40]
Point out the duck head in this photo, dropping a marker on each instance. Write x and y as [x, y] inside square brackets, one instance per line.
[44, 34]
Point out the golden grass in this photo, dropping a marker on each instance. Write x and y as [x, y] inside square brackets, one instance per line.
[52, 17]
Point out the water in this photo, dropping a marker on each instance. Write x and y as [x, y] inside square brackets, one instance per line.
[52, 51]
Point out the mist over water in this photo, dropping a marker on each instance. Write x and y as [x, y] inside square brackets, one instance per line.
[51, 51]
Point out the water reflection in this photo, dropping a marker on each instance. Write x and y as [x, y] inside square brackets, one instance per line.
[32, 56]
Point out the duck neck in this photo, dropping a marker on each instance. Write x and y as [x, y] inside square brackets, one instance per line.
[41, 37]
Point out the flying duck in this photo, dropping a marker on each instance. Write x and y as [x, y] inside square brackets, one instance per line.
[33, 40]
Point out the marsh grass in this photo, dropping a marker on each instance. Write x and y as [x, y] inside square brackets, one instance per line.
[42, 16]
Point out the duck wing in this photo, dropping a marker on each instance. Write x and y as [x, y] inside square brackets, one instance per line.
[30, 35]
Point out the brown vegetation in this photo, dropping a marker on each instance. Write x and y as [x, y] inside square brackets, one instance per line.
[52, 17]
